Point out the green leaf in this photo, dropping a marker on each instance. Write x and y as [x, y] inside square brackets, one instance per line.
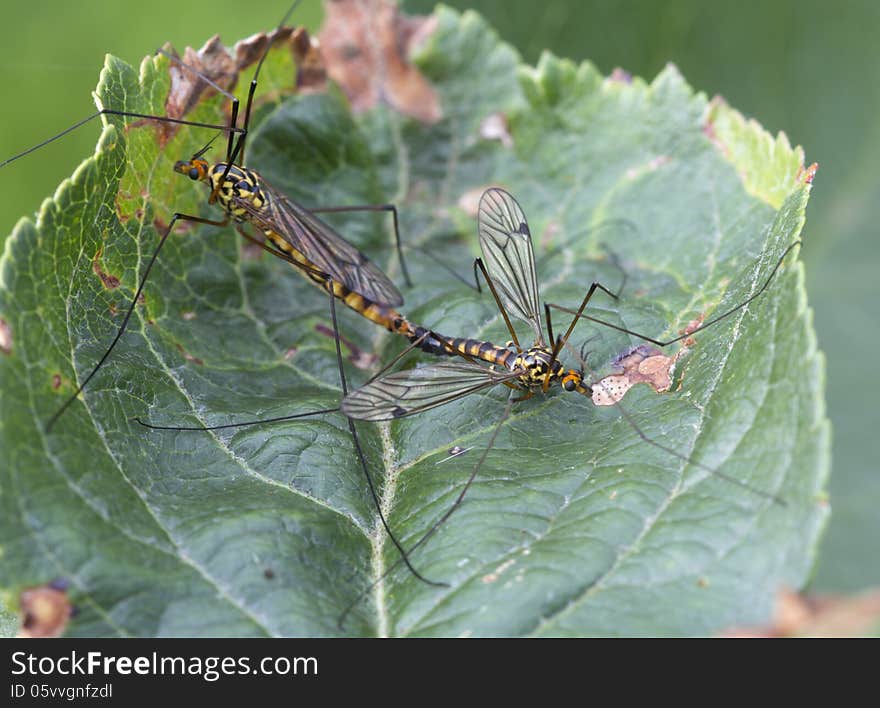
[574, 526]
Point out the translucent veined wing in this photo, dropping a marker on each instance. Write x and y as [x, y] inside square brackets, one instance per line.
[403, 393]
[323, 246]
[507, 251]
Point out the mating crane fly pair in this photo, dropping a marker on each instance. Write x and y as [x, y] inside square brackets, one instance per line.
[291, 232]
[294, 234]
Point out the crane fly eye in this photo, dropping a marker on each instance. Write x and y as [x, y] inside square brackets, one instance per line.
[569, 384]
[193, 173]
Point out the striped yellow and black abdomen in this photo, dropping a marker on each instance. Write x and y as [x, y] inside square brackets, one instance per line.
[478, 349]
[383, 315]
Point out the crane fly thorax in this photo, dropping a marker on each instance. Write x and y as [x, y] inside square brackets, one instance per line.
[537, 361]
[239, 185]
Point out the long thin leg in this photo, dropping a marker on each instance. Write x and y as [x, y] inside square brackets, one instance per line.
[398, 241]
[615, 261]
[278, 253]
[549, 320]
[284, 418]
[363, 459]
[128, 313]
[125, 114]
[449, 269]
[593, 288]
[675, 453]
[226, 426]
[233, 116]
[442, 520]
[662, 343]
[563, 340]
[587, 230]
[354, 435]
[479, 263]
[253, 87]
[237, 152]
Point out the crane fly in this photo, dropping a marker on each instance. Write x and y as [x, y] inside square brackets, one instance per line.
[286, 229]
[508, 266]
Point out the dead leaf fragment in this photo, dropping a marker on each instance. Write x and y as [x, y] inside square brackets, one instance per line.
[212, 61]
[366, 46]
[45, 611]
[798, 615]
[311, 74]
[644, 364]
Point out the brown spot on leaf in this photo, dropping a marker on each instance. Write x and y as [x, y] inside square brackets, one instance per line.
[188, 356]
[5, 337]
[56, 381]
[111, 282]
[269, 574]
[188, 316]
[290, 353]
[45, 611]
[806, 175]
[644, 364]
[366, 47]
[652, 165]
[494, 575]
[496, 127]
[818, 616]
[358, 357]
[694, 324]
[119, 201]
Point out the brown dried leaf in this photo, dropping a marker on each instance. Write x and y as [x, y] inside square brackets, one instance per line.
[311, 73]
[644, 364]
[366, 45]
[223, 66]
[818, 616]
[45, 611]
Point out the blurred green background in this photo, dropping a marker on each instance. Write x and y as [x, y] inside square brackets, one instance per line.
[807, 67]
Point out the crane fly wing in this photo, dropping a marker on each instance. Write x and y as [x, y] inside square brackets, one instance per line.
[402, 393]
[322, 246]
[507, 250]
